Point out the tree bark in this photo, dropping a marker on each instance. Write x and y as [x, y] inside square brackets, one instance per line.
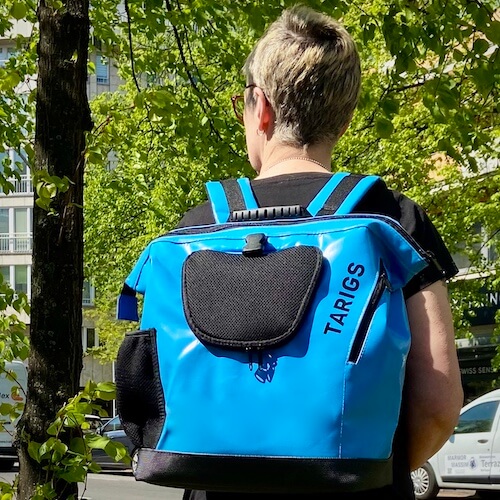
[62, 117]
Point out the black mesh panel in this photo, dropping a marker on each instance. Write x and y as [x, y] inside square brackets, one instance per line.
[249, 302]
[139, 396]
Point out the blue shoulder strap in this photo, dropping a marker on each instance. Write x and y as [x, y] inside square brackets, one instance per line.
[341, 194]
[356, 194]
[324, 194]
[230, 195]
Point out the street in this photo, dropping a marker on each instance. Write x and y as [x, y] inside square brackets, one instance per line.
[122, 486]
[115, 486]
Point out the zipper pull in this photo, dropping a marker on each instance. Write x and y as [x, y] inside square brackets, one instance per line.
[384, 278]
[250, 359]
[432, 259]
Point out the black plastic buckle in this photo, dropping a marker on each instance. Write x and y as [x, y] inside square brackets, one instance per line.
[254, 245]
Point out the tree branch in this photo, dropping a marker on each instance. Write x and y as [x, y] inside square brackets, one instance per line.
[131, 49]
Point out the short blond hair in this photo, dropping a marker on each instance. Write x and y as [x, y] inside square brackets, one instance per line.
[308, 66]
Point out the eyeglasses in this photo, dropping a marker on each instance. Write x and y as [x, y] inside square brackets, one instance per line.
[238, 101]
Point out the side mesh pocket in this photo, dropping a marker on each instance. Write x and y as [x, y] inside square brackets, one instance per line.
[139, 396]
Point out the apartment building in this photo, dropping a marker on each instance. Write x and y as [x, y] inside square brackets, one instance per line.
[16, 211]
[476, 352]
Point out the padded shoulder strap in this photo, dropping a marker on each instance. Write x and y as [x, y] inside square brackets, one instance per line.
[341, 194]
[126, 306]
[230, 195]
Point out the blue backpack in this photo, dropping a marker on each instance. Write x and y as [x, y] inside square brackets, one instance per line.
[272, 345]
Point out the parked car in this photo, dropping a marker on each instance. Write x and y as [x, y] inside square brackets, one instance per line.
[95, 422]
[113, 429]
[470, 459]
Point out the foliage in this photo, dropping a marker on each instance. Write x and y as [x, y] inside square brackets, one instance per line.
[72, 462]
[427, 118]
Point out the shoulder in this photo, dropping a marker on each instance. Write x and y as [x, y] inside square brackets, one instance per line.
[197, 216]
[417, 223]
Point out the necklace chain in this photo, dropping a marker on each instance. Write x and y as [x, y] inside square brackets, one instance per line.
[303, 158]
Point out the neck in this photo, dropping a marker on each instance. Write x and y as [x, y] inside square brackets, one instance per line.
[295, 164]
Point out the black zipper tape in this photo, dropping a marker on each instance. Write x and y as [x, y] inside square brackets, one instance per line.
[381, 286]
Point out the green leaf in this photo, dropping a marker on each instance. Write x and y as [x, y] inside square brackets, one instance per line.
[18, 10]
[390, 107]
[77, 445]
[5, 408]
[75, 474]
[481, 46]
[106, 391]
[95, 441]
[34, 450]
[384, 128]
[94, 467]
[54, 427]
[493, 32]
[60, 447]
[117, 452]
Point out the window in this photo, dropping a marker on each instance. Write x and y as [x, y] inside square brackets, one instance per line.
[22, 234]
[112, 161]
[15, 230]
[4, 230]
[102, 69]
[21, 279]
[484, 247]
[478, 419]
[113, 425]
[90, 338]
[5, 272]
[88, 295]
[18, 277]
[12, 159]
[5, 54]
[3, 156]
[19, 163]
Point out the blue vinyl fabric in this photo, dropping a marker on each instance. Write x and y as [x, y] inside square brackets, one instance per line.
[323, 394]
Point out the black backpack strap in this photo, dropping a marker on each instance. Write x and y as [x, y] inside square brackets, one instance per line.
[341, 194]
[229, 196]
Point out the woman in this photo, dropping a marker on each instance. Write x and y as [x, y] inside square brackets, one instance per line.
[303, 83]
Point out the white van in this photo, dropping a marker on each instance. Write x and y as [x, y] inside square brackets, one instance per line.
[470, 459]
[8, 454]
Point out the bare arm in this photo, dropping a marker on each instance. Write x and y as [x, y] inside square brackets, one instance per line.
[434, 394]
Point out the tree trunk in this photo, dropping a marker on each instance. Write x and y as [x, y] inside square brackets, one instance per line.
[62, 117]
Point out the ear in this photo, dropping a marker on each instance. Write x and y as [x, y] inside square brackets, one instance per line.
[265, 113]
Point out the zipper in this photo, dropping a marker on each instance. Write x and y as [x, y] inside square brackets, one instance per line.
[213, 228]
[381, 286]
[147, 332]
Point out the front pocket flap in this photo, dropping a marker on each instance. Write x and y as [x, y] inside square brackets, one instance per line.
[244, 302]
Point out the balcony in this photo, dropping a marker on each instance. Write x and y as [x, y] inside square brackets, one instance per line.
[16, 243]
[23, 185]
